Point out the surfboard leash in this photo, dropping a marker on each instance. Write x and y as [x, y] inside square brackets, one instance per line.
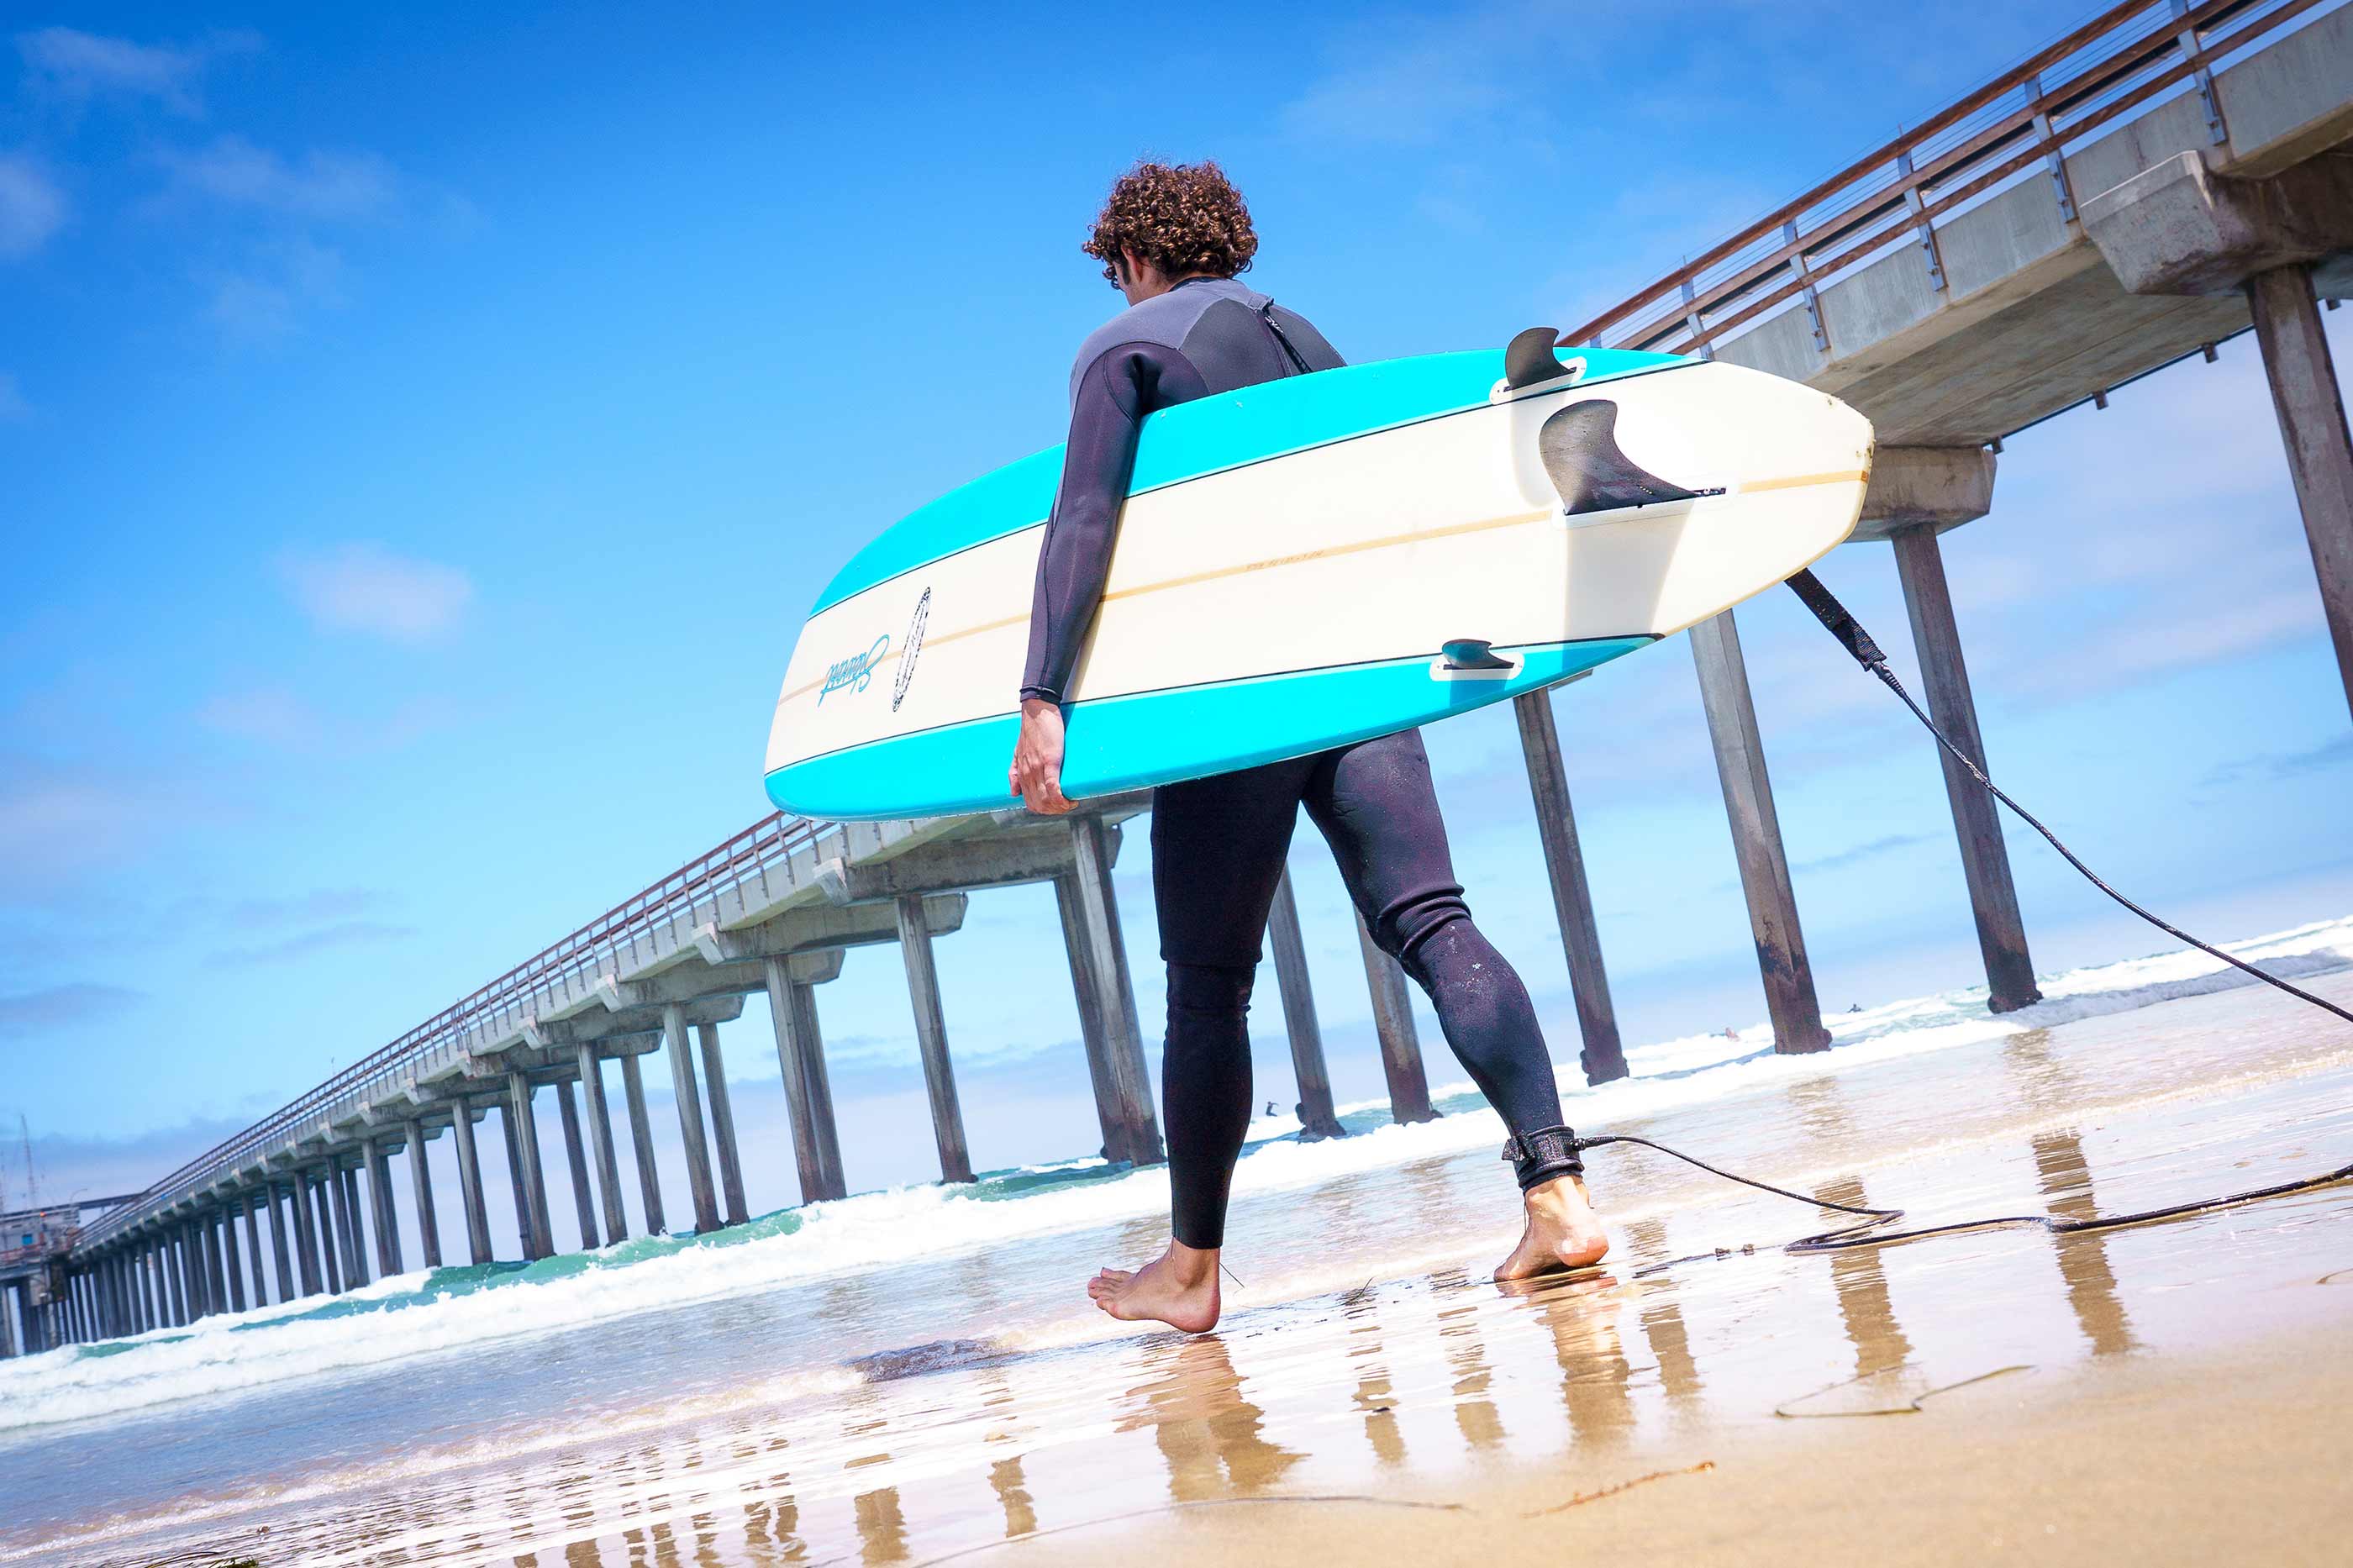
[1870, 1231]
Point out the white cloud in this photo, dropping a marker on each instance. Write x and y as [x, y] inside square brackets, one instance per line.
[62, 1007]
[77, 66]
[32, 208]
[58, 823]
[269, 713]
[288, 279]
[363, 587]
[319, 185]
[12, 399]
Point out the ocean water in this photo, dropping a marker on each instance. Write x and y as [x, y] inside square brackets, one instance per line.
[280, 1411]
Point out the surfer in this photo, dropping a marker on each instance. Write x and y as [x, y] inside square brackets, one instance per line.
[1173, 240]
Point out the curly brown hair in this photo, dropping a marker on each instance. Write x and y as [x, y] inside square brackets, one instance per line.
[1183, 219]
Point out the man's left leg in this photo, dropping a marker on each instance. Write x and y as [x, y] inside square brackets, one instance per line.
[1218, 848]
[1374, 803]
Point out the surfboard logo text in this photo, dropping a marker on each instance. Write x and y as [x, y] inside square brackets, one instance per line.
[915, 644]
[854, 673]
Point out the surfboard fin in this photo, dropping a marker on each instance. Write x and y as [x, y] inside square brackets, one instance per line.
[1580, 448]
[1528, 359]
[1473, 653]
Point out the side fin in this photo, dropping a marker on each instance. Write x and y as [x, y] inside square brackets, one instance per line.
[1580, 447]
[1528, 359]
[1471, 653]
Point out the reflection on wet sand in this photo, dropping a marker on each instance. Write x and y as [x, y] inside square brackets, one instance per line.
[1373, 1395]
[1475, 1416]
[1209, 1434]
[1865, 1310]
[1006, 1479]
[882, 1526]
[2064, 1179]
[1662, 1318]
[1580, 1310]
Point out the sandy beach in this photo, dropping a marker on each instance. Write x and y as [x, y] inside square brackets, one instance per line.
[2161, 1393]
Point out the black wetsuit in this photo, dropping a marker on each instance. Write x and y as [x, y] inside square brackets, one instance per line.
[1218, 844]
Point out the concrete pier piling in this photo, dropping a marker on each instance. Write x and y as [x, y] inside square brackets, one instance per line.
[683, 1086]
[2311, 413]
[530, 1186]
[641, 1145]
[576, 1162]
[1091, 862]
[281, 1254]
[1317, 1116]
[1915, 494]
[1781, 959]
[722, 1124]
[932, 1038]
[517, 1187]
[383, 1214]
[470, 1182]
[808, 1098]
[600, 1137]
[356, 1272]
[1088, 997]
[231, 1265]
[1601, 1055]
[420, 1182]
[251, 1203]
[1400, 1043]
[2182, 227]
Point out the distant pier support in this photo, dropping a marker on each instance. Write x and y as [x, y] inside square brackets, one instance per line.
[523, 1129]
[689, 1119]
[1317, 1116]
[576, 1164]
[469, 1182]
[232, 1263]
[600, 1141]
[357, 1274]
[1782, 962]
[722, 1124]
[1601, 1055]
[510, 1127]
[932, 1038]
[384, 1216]
[1392, 995]
[215, 1279]
[809, 1095]
[1106, 954]
[641, 1145]
[348, 1223]
[251, 1203]
[2181, 228]
[1088, 995]
[1916, 493]
[420, 1191]
[306, 1236]
[281, 1253]
[326, 1193]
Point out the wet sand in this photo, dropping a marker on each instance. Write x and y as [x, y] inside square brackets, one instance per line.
[2166, 1393]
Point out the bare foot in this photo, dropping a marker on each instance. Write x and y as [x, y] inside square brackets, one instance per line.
[1179, 1289]
[1563, 1232]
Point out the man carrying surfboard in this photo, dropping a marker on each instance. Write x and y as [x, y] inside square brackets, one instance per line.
[1173, 240]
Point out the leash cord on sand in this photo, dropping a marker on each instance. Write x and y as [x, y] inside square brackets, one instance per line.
[1868, 1232]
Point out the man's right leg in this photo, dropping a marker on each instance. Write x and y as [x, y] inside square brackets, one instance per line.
[1218, 848]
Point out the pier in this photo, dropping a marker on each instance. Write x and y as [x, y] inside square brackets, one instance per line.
[2165, 179]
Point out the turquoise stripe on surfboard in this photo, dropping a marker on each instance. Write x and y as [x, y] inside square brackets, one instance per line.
[1204, 437]
[1125, 743]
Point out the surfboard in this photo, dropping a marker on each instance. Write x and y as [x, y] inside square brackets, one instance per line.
[1316, 560]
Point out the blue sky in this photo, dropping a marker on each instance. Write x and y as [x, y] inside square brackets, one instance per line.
[423, 432]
